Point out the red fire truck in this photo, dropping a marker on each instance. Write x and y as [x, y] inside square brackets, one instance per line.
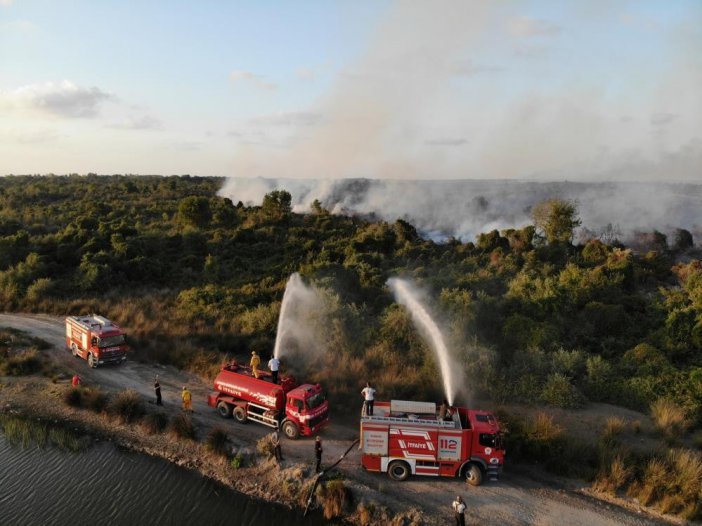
[296, 409]
[96, 339]
[406, 438]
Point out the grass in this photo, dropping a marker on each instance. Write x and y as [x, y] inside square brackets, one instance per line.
[614, 476]
[154, 423]
[334, 497]
[669, 419]
[264, 446]
[24, 432]
[181, 426]
[127, 406]
[613, 428]
[92, 398]
[22, 363]
[217, 440]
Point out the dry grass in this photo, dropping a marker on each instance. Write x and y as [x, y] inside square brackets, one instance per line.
[669, 418]
[127, 406]
[334, 497]
[182, 427]
[217, 440]
[543, 429]
[615, 476]
[155, 423]
[264, 446]
[614, 426]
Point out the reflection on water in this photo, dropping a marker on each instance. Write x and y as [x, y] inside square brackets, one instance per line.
[105, 486]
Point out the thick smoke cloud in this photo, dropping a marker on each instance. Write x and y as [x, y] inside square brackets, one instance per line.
[463, 209]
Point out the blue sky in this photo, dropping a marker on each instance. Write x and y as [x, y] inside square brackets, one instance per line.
[408, 89]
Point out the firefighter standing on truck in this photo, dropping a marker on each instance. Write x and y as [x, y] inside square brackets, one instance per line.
[254, 363]
[187, 400]
[368, 394]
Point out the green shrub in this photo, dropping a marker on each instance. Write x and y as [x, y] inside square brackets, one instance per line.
[559, 392]
[95, 399]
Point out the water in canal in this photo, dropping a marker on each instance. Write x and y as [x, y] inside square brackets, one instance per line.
[105, 486]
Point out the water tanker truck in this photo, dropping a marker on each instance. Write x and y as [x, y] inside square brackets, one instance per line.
[404, 438]
[96, 339]
[295, 409]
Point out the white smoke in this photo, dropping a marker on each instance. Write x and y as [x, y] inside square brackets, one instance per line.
[464, 209]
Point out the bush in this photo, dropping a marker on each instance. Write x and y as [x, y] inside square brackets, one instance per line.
[265, 447]
[22, 364]
[94, 399]
[155, 423]
[559, 392]
[669, 419]
[74, 397]
[217, 439]
[614, 476]
[182, 427]
[333, 496]
[127, 406]
[614, 426]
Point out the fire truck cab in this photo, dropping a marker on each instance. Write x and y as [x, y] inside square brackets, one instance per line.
[405, 438]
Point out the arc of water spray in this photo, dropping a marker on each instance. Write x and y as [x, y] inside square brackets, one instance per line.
[404, 296]
[293, 281]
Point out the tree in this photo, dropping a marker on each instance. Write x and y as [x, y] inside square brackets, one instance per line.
[276, 204]
[195, 211]
[556, 219]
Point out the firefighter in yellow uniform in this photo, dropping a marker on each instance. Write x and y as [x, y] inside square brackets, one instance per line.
[187, 400]
[254, 363]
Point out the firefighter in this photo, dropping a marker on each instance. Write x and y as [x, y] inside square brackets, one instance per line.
[368, 394]
[276, 445]
[459, 511]
[157, 390]
[76, 380]
[318, 454]
[187, 400]
[254, 363]
[274, 365]
[445, 412]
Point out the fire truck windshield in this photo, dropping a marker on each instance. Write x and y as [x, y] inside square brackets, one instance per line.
[315, 400]
[111, 341]
[488, 440]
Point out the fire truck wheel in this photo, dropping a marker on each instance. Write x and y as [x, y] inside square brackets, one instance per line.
[399, 470]
[291, 430]
[224, 409]
[92, 362]
[240, 415]
[474, 475]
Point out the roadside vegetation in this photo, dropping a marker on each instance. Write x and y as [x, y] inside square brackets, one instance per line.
[533, 317]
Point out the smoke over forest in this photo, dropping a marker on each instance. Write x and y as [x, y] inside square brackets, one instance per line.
[463, 209]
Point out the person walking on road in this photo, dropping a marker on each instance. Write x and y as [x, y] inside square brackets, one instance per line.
[368, 394]
[318, 454]
[274, 365]
[254, 363]
[276, 446]
[459, 511]
[187, 400]
[157, 390]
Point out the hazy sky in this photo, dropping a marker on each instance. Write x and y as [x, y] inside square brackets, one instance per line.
[574, 89]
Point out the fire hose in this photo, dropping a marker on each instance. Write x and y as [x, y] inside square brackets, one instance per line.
[319, 477]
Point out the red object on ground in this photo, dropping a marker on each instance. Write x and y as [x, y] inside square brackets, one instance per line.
[296, 409]
[405, 438]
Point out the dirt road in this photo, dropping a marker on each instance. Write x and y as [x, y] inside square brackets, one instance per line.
[514, 500]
